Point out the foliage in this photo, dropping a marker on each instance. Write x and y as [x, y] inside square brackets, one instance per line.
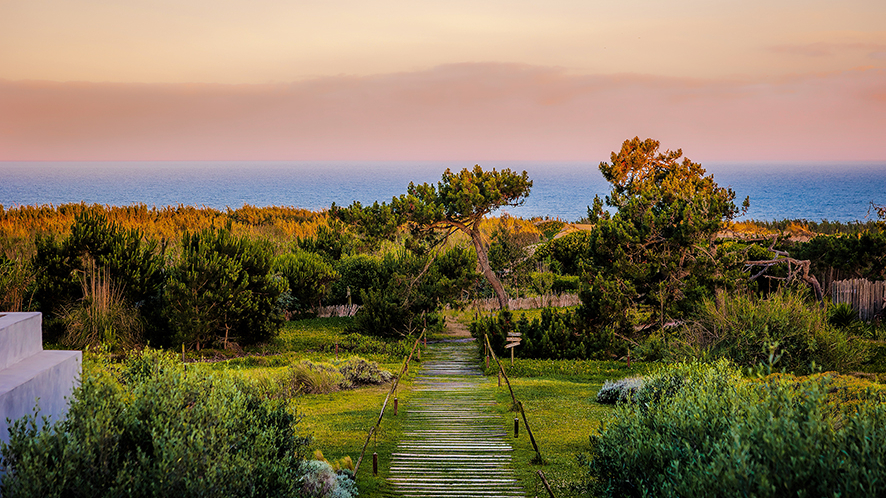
[699, 430]
[321, 481]
[508, 256]
[409, 287]
[861, 255]
[360, 372]
[308, 276]
[133, 262]
[622, 390]
[569, 251]
[550, 228]
[223, 285]
[103, 317]
[656, 250]
[374, 224]
[459, 202]
[160, 430]
[331, 241]
[782, 329]
[555, 335]
[16, 284]
[307, 377]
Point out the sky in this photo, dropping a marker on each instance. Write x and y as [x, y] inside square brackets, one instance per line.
[723, 80]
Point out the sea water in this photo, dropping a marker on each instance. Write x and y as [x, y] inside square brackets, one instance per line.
[811, 191]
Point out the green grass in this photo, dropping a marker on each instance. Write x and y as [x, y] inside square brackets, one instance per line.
[559, 401]
[338, 422]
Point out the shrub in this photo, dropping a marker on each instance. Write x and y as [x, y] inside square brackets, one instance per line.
[223, 286]
[700, 430]
[163, 430]
[102, 317]
[620, 390]
[16, 284]
[133, 262]
[321, 481]
[557, 334]
[782, 329]
[360, 372]
[309, 277]
[307, 377]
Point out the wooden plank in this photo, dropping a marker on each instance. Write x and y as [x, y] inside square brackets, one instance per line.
[512, 345]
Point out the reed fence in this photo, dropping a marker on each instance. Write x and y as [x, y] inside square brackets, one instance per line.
[866, 297]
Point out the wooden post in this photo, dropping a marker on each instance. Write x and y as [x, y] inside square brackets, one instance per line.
[545, 482]
[516, 427]
[375, 464]
[512, 356]
[395, 407]
[183, 352]
[385, 404]
[499, 379]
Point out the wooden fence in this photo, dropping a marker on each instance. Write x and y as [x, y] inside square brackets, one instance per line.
[866, 297]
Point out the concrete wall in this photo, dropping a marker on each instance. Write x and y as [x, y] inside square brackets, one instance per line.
[30, 376]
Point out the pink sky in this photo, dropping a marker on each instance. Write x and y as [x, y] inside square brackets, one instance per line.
[158, 80]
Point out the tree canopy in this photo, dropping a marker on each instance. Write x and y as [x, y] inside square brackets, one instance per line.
[656, 250]
[458, 202]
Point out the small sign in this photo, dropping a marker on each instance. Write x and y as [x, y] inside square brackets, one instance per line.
[514, 334]
[511, 345]
[514, 339]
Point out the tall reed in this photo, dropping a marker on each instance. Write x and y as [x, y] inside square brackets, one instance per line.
[102, 317]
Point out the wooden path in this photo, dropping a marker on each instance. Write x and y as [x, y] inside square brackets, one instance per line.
[453, 444]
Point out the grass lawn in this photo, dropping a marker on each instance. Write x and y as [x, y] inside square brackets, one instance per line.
[558, 397]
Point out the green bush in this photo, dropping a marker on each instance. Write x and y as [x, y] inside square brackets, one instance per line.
[322, 481]
[223, 286]
[360, 372]
[307, 377]
[161, 430]
[309, 277]
[700, 430]
[136, 264]
[358, 272]
[782, 329]
[620, 390]
[557, 334]
[410, 288]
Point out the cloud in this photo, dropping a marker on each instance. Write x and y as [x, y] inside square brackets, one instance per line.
[482, 111]
[822, 49]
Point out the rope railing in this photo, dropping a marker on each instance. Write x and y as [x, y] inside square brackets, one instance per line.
[517, 404]
[384, 405]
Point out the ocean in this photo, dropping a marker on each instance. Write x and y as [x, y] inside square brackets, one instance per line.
[811, 191]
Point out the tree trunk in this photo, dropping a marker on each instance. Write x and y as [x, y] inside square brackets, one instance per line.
[483, 259]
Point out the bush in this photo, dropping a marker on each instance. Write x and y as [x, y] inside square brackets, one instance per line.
[620, 390]
[307, 377]
[163, 430]
[309, 277]
[782, 329]
[223, 286]
[102, 317]
[700, 430]
[133, 262]
[360, 372]
[557, 334]
[321, 481]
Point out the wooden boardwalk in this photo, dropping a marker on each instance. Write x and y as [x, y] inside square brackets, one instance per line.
[453, 444]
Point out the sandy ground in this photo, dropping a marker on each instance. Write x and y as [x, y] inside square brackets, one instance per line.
[456, 329]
